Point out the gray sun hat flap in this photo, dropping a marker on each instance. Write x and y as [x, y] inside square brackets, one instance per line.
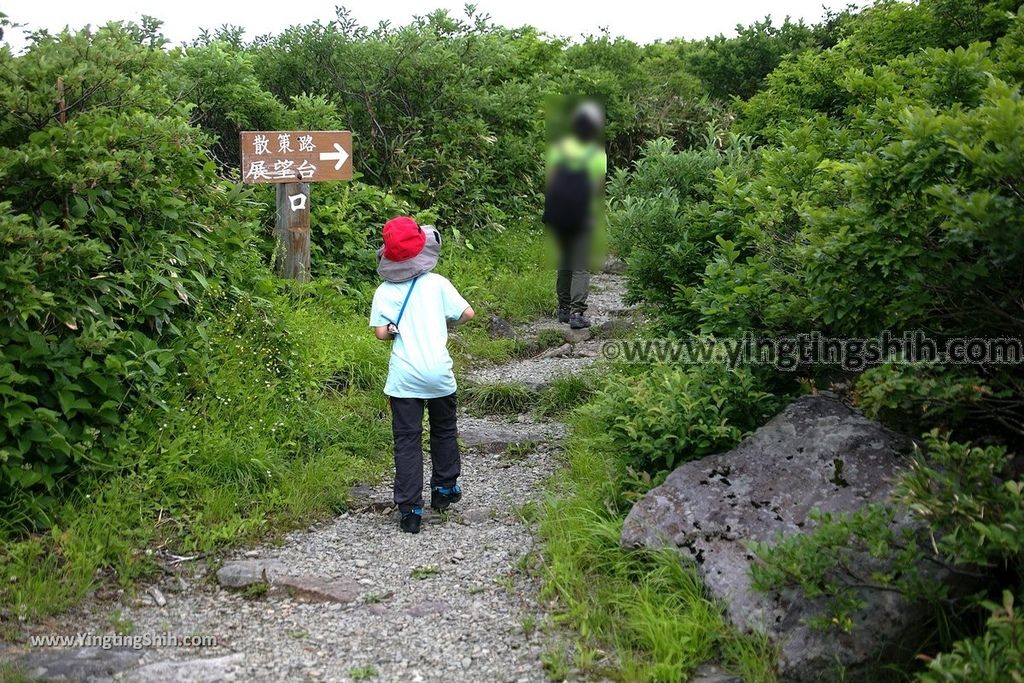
[402, 271]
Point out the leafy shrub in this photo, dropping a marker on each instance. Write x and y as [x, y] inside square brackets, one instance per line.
[932, 395]
[811, 84]
[228, 98]
[671, 415]
[996, 655]
[115, 227]
[737, 66]
[972, 499]
[662, 221]
[886, 196]
[348, 219]
[264, 425]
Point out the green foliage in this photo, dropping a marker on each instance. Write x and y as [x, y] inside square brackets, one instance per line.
[996, 655]
[896, 213]
[362, 673]
[549, 338]
[349, 217]
[737, 66]
[228, 98]
[100, 262]
[255, 591]
[490, 272]
[885, 196]
[670, 415]
[662, 219]
[274, 413]
[828, 562]
[427, 571]
[812, 83]
[971, 498]
[931, 395]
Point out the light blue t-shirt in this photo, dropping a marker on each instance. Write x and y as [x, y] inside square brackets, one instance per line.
[420, 366]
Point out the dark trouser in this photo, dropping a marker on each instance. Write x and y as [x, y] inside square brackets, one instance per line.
[573, 285]
[407, 427]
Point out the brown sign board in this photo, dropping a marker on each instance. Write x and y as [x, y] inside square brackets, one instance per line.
[296, 156]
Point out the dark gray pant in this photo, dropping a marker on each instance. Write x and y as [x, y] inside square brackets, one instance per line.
[573, 284]
[407, 428]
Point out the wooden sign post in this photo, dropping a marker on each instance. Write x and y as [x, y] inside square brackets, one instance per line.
[293, 160]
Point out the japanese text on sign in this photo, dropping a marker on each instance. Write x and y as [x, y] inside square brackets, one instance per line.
[296, 156]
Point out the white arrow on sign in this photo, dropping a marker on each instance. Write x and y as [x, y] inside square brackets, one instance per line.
[341, 155]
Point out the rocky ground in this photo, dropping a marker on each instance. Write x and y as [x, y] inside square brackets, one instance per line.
[355, 599]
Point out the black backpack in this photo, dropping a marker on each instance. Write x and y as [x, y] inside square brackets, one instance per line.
[570, 193]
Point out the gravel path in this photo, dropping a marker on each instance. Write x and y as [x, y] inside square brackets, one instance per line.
[582, 348]
[356, 599]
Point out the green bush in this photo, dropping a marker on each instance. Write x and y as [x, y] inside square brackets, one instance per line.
[662, 218]
[275, 410]
[671, 415]
[115, 230]
[911, 395]
[812, 84]
[997, 655]
[737, 66]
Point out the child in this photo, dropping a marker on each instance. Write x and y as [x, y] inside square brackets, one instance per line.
[412, 308]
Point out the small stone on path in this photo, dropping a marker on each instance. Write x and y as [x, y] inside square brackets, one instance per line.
[206, 670]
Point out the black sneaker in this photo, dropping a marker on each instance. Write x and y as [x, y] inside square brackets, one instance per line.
[578, 322]
[410, 523]
[443, 496]
[563, 315]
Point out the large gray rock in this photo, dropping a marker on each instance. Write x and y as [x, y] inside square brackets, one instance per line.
[817, 454]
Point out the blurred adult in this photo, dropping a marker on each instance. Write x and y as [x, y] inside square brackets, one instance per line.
[576, 167]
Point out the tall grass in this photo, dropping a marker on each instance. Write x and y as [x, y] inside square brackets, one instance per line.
[565, 393]
[497, 397]
[510, 274]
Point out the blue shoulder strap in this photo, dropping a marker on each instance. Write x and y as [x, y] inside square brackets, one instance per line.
[408, 293]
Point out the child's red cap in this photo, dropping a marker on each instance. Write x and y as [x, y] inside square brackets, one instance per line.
[403, 239]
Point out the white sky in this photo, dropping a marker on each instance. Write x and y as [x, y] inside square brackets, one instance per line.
[640, 20]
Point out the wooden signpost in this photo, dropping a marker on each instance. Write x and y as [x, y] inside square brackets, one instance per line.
[293, 160]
